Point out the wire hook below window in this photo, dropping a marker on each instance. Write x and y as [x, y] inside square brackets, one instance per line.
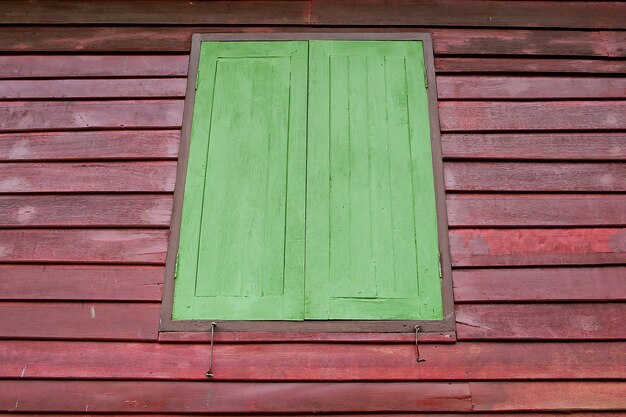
[209, 373]
[417, 346]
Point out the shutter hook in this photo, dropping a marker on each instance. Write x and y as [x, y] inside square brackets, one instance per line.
[209, 373]
[417, 347]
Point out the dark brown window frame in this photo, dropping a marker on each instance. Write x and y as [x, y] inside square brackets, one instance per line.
[434, 330]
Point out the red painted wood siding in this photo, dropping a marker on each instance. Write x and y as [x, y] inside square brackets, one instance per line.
[533, 116]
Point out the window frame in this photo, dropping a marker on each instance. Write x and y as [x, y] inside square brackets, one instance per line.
[441, 330]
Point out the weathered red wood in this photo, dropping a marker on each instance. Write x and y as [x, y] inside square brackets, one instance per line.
[540, 284]
[81, 282]
[142, 246]
[178, 39]
[78, 66]
[164, 12]
[87, 177]
[41, 115]
[579, 146]
[535, 176]
[463, 13]
[515, 87]
[550, 115]
[93, 88]
[280, 337]
[233, 397]
[602, 321]
[555, 414]
[220, 397]
[526, 65]
[529, 42]
[123, 210]
[539, 396]
[100, 145]
[536, 247]
[324, 12]
[84, 321]
[471, 210]
[312, 361]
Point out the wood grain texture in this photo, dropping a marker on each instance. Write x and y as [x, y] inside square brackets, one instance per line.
[83, 321]
[324, 12]
[126, 210]
[601, 321]
[584, 146]
[105, 396]
[536, 247]
[540, 284]
[142, 246]
[529, 210]
[81, 282]
[93, 88]
[463, 13]
[161, 12]
[548, 115]
[511, 87]
[529, 42]
[543, 176]
[57, 115]
[529, 396]
[92, 145]
[529, 65]
[163, 39]
[268, 336]
[50, 177]
[84, 66]
[233, 397]
[312, 361]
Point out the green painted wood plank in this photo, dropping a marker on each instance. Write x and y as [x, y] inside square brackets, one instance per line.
[243, 211]
[371, 242]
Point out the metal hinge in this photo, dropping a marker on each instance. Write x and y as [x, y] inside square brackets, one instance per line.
[176, 267]
[425, 77]
[440, 271]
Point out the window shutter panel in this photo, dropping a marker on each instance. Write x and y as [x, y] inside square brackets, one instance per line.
[371, 231]
[241, 254]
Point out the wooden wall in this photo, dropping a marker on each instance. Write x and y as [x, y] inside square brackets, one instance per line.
[533, 118]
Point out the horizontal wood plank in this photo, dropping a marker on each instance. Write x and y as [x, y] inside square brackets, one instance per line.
[92, 145]
[163, 12]
[537, 247]
[87, 177]
[42, 115]
[529, 42]
[539, 396]
[544, 176]
[547, 115]
[126, 210]
[602, 321]
[81, 282]
[548, 414]
[464, 13]
[142, 246]
[93, 88]
[232, 397]
[178, 39]
[586, 146]
[540, 284]
[524, 210]
[516, 87]
[325, 12]
[529, 65]
[301, 361]
[81, 66]
[84, 321]
[226, 397]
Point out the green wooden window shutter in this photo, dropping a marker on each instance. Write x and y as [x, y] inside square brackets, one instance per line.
[241, 250]
[362, 165]
[371, 231]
